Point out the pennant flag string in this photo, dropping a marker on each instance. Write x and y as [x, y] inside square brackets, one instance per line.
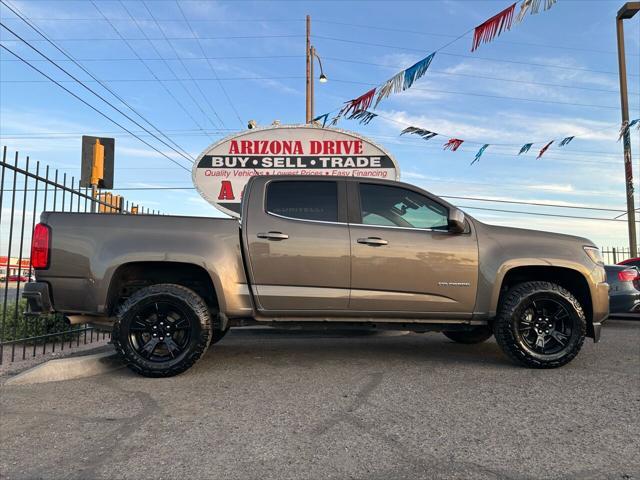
[626, 125]
[525, 148]
[393, 85]
[363, 102]
[417, 70]
[479, 154]
[566, 141]
[544, 149]
[453, 144]
[364, 116]
[324, 118]
[425, 134]
[483, 33]
[490, 29]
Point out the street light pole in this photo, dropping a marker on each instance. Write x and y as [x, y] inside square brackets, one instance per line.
[311, 55]
[627, 11]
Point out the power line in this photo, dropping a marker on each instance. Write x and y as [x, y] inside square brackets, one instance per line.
[335, 59]
[473, 75]
[141, 80]
[354, 82]
[109, 39]
[213, 70]
[519, 212]
[173, 72]
[448, 35]
[99, 96]
[461, 206]
[150, 70]
[223, 57]
[486, 95]
[166, 39]
[333, 22]
[92, 107]
[43, 35]
[537, 204]
[501, 60]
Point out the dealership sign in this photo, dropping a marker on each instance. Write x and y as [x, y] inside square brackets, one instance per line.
[221, 172]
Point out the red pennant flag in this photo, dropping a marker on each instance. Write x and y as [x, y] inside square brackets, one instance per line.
[453, 144]
[363, 102]
[544, 149]
[487, 31]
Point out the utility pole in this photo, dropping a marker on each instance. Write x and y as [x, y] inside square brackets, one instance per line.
[311, 55]
[627, 11]
[309, 116]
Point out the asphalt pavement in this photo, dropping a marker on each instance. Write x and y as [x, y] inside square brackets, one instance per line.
[307, 406]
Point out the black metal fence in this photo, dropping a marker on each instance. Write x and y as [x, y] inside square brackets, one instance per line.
[613, 255]
[26, 190]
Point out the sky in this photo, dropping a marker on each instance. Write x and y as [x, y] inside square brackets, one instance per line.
[199, 70]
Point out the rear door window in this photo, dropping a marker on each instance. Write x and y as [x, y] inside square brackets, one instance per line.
[313, 200]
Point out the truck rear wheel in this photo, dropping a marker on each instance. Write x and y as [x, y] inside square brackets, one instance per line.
[162, 330]
[540, 325]
[469, 337]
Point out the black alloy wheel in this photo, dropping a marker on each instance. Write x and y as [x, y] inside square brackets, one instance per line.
[544, 325]
[162, 330]
[540, 325]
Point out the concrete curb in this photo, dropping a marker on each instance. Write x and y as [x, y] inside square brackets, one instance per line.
[68, 369]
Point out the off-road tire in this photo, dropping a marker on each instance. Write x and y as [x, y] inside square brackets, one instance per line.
[469, 337]
[506, 322]
[200, 321]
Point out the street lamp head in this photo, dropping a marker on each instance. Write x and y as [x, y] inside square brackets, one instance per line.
[323, 78]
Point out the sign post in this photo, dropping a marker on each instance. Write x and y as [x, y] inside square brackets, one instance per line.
[97, 165]
[222, 170]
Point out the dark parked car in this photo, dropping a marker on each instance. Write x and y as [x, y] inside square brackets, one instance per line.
[624, 291]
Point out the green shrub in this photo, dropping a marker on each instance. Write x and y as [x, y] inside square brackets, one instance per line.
[17, 326]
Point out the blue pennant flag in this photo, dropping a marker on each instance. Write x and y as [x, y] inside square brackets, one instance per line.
[416, 71]
[324, 118]
[566, 141]
[480, 152]
[525, 148]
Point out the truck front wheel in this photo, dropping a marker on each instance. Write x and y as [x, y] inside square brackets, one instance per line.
[540, 325]
[162, 330]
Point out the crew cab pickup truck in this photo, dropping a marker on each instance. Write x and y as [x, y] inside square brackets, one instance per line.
[318, 250]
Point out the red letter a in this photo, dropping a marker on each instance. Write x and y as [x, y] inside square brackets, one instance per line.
[226, 191]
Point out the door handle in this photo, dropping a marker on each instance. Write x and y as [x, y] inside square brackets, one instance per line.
[373, 241]
[273, 235]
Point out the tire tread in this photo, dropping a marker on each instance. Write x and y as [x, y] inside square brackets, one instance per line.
[502, 324]
[193, 300]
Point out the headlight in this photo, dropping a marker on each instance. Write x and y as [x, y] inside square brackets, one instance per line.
[594, 254]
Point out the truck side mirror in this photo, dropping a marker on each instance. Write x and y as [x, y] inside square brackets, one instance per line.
[456, 221]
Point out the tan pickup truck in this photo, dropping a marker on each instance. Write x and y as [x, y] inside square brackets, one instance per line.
[312, 251]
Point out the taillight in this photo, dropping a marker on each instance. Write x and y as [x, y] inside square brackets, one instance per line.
[628, 275]
[40, 246]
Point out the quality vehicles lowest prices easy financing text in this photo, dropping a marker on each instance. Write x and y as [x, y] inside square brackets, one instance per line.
[313, 250]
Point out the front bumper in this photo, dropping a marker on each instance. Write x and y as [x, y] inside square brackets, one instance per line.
[600, 309]
[38, 298]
